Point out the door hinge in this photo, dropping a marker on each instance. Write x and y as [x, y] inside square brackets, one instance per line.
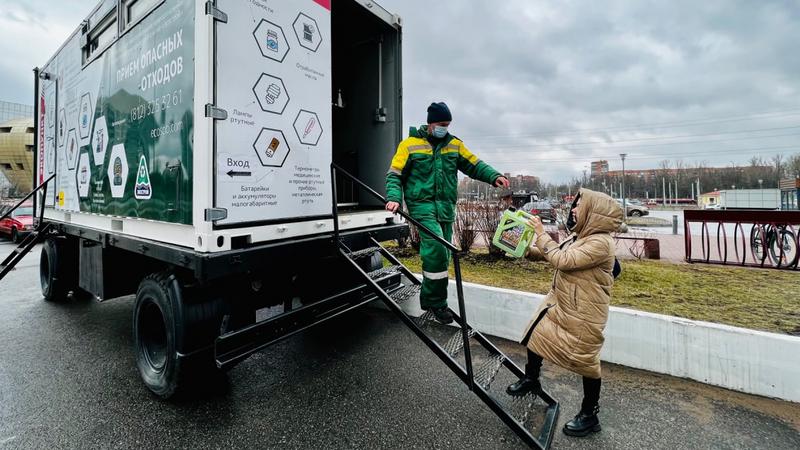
[214, 214]
[216, 113]
[213, 11]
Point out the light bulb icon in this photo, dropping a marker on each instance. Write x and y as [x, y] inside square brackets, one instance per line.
[273, 92]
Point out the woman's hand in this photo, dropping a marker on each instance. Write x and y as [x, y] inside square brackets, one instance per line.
[536, 224]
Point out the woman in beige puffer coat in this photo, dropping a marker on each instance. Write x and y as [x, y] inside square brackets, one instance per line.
[568, 327]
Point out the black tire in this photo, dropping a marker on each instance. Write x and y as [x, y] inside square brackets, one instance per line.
[58, 272]
[757, 244]
[636, 213]
[163, 326]
[14, 236]
[790, 251]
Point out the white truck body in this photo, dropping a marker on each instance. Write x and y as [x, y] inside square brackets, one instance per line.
[212, 125]
[750, 199]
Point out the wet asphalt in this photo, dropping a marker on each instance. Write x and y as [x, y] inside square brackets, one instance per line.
[68, 380]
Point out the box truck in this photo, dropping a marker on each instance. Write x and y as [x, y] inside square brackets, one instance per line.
[215, 158]
[189, 145]
[750, 199]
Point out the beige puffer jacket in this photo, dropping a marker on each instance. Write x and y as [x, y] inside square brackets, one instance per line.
[568, 327]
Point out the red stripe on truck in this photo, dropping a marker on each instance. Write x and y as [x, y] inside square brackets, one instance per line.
[324, 3]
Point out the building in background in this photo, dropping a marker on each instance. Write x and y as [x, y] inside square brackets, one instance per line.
[790, 194]
[11, 111]
[599, 168]
[16, 155]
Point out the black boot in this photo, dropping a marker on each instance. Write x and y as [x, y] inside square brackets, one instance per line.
[584, 423]
[530, 382]
[442, 315]
[523, 386]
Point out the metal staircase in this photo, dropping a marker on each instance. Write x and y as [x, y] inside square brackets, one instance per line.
[518, 413]
[30, 241]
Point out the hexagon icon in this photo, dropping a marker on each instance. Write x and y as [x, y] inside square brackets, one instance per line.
[271, 147]
[72, 150]
[85, 116]
[271, 40]
[61, 132]
[83, 175]
[118, 171]
[99, 141]
[307, 32]
[307, 127]
[271, 94]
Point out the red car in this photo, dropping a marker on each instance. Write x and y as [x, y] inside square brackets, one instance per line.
[18, 224]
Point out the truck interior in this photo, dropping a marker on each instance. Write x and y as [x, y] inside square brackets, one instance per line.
[366, 100]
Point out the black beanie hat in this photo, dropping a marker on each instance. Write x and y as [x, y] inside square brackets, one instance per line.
[439, 112]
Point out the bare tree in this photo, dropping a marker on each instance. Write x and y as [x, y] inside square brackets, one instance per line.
[464, 227]
[488, 214]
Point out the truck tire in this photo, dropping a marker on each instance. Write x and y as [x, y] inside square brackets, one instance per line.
[162, 327]
[58, 272]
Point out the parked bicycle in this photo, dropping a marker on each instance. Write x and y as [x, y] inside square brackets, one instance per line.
[778, 242]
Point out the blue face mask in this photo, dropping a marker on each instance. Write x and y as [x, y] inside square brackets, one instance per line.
[439, 132]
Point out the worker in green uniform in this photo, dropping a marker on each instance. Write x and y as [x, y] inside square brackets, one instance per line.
[425, 171]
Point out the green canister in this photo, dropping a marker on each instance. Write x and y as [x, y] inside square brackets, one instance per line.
[513, 235]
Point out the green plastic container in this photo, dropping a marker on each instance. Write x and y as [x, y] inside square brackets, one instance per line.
[513, 235]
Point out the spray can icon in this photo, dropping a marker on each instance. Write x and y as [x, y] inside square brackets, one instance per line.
[272, 40]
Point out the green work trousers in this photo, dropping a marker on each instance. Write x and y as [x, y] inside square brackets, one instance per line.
[435, 261]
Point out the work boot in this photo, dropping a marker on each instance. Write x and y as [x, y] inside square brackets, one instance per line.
[442, 315]
[523, 386]
[584, 423]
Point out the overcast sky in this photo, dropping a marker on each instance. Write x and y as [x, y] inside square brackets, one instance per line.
[545, 87]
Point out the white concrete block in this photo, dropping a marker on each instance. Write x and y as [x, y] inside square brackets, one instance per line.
[744, 360]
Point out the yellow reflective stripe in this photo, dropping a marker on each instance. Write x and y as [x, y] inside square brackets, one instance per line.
[468, 155]
[399, 161]
[423, 149]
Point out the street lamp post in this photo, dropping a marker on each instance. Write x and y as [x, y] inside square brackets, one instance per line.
[624, 207]
[760, 183]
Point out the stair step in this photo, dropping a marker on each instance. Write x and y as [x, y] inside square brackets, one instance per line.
[456, 343]
[488, 370]
[521, 406]
[425, 318]
[358, 254]
[384, 272]
[405, 293]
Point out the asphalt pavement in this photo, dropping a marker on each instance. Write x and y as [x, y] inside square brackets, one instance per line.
[68, 380]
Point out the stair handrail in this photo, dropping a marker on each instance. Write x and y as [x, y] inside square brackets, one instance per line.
[30, 194]
[454, 250]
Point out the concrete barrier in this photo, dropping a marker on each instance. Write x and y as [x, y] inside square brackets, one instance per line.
[743, 360]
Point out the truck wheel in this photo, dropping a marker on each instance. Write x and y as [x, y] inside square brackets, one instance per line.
[57, 270]
[160, 325]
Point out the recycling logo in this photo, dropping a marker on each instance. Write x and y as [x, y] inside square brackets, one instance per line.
[142, 190]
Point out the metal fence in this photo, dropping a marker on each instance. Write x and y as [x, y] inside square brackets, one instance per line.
[767, 239]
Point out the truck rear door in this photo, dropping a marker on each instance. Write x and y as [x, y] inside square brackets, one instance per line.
[273, 80]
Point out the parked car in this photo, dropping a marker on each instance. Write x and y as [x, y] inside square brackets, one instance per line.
[544, 210]
[18, 224]
[713, 206]
[634, 208]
